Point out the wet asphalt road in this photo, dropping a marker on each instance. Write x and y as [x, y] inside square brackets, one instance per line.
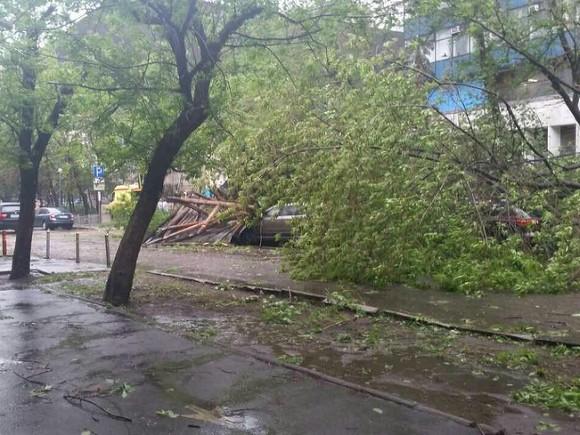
[82, 350]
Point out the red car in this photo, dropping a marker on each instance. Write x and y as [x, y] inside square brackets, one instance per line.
[505, 219]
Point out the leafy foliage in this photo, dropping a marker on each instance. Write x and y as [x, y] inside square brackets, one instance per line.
[362, 157]
[279, 311]
[557, 395]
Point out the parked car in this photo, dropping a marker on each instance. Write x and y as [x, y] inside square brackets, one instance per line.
[507, 219]
[275, 226]
[50, 218]
[9, 215]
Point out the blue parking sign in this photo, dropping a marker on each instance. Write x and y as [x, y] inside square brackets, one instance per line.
[98, 171]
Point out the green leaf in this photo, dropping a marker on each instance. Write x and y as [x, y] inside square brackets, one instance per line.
[166, 413]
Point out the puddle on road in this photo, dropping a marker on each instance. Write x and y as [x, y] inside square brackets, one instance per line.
[232, 419]
[167, 376]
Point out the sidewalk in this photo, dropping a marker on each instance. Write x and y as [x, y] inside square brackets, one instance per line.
[64, 364]
[543, 316]
[47, 267]
[550, 317]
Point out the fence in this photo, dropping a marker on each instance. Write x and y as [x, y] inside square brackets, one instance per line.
[89, 220]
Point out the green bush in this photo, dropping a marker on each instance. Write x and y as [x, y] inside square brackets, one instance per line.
[122, 210]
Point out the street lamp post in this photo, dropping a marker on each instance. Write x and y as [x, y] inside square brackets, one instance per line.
[59, 170]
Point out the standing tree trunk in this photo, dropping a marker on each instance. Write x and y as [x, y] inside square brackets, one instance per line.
[30, 158]
[120, 280]
[29, 35]
[22, 247]
[76, 180]
[193, 114]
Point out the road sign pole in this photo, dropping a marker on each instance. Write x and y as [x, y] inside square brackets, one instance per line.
[100, 205]
[107, 249]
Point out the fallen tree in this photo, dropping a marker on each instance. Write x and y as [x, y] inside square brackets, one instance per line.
[201, 219]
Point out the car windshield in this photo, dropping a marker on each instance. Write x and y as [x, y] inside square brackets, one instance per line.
[273, 211]
[10, 208]
[518, 212]
[286, 210]
[57, 210]
[290, 210]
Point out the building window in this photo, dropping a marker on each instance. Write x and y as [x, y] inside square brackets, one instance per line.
[443, 49]
[444, 45]
[460, 45]
[567, 140]
[519, 13]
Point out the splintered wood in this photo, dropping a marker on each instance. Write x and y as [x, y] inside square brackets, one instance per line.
[200, 219]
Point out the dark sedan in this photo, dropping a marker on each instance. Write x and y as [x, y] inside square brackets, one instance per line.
[50, 218]
[275, 227]
[9, 215]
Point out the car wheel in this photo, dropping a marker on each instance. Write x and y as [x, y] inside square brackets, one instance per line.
[248, 236]
[68, 226]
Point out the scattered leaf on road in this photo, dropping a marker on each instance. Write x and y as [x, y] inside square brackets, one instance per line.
[42, 391]
[123, 389]
[166, 413]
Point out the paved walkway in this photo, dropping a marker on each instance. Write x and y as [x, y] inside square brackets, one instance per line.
[63, 363]
[47, 267]
[542, 316]
[549, 316]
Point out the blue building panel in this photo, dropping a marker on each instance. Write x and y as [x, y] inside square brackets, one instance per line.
[462, 69]
[512, 4]
[458, 98]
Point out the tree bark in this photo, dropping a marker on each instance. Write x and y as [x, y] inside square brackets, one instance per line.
[30, 158]
[120, 280]
[22, 246]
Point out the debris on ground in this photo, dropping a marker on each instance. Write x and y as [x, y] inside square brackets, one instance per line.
[200, 219]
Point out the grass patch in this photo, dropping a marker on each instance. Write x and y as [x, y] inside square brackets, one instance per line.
[83, 289]
[291, 359]
[280, 311]
[58, 277]
[554, 395]
[517, 359]
[563, 351]
[202, 334]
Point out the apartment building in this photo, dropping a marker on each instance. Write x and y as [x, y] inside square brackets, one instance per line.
[448, 48]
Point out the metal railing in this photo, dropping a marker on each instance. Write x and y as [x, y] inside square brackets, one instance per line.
[89, 220]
